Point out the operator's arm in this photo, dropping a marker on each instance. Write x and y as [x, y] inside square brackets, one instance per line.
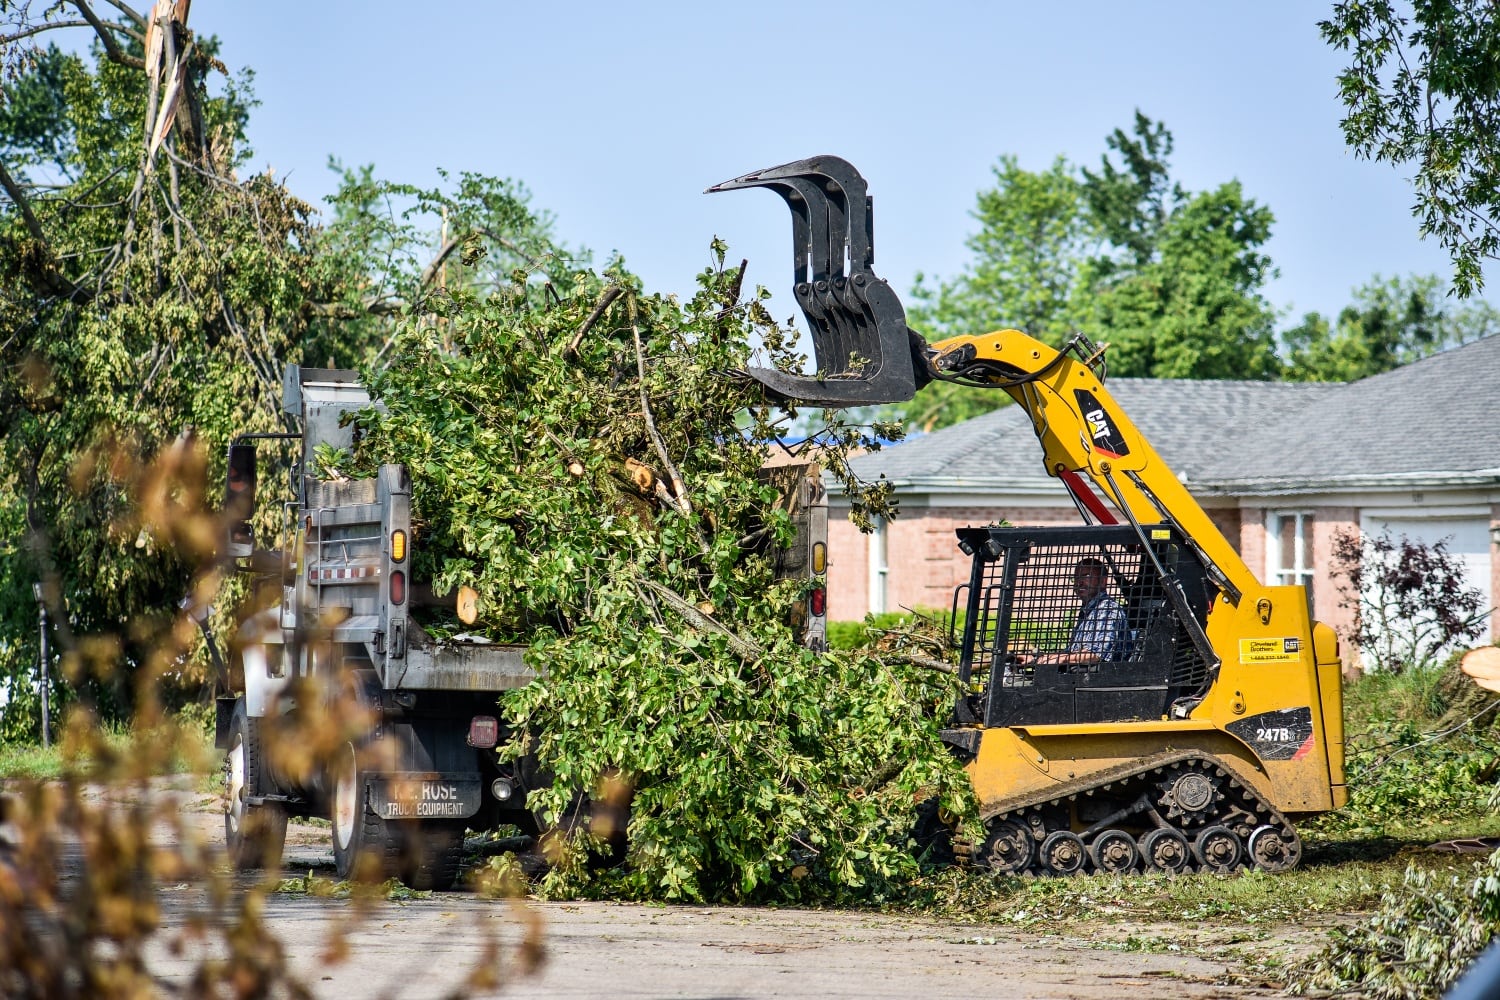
[1070, 657]
[1098, 636]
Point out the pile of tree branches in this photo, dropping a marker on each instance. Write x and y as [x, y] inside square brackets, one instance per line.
[586, 457]
[1418, 943]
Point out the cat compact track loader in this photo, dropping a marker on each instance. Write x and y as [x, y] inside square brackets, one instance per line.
[1133, 696]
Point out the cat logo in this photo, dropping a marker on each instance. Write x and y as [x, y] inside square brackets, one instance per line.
[1107, 437]
[1097, 423]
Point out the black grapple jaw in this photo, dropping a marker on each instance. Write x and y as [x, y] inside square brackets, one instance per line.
[865, 353]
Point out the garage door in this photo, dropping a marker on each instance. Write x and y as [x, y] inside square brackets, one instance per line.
[1468, 539]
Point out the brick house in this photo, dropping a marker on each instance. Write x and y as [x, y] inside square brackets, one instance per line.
[1280, 467]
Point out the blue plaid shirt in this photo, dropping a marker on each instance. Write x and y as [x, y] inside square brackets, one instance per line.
[1100, 628]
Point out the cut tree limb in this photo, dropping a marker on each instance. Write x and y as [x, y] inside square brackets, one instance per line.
[920, 661]
[1483, 667]
[679, 489]
[747, 651]
[610, 294]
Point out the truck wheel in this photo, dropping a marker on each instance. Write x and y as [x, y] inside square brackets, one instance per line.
[365, 846]
[433, 852]
[254, 834]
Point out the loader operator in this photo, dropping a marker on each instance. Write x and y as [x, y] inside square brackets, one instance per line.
[1099, 633]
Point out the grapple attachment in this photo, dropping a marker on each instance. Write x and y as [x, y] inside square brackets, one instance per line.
[865, 353]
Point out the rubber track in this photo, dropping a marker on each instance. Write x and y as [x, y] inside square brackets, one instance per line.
[1060, 796]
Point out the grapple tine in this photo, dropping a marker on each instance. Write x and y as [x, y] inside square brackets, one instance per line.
[865, 353]
[813, 258]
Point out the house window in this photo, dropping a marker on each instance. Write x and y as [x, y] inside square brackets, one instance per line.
[1289, 548]
[879, 568]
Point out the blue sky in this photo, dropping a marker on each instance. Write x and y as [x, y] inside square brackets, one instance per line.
[618, 115]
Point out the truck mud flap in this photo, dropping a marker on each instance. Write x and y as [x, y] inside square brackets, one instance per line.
[423, 795]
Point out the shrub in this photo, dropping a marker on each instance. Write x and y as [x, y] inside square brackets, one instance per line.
[1409, 598]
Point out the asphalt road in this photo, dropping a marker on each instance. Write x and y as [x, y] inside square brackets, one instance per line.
[427, 947]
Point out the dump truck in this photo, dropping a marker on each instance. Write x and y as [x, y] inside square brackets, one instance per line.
[1132, 696]
[337, 646]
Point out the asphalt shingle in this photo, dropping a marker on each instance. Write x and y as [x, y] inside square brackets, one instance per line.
[1189, 422]
[1430, 421]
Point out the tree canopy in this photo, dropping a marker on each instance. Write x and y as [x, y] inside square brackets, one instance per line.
[1389, 322]
[1422, 91]
[150, 293]
[599, 484]
[1171, 279]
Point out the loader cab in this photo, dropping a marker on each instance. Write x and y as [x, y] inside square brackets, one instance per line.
[1074, 625]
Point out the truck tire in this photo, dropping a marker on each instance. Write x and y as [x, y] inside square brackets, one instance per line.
[254, 833]
[365, 846]
[432, 855]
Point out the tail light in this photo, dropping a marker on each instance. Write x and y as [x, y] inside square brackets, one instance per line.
[820, 558]
[398, 545]
[818, 603]
[484, 731]
[398, 587]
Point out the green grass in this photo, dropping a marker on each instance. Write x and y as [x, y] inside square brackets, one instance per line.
[194, 751]
[1352, 878]
[1421, 766]
[35, 762]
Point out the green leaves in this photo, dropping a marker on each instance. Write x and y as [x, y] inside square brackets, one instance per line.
[1422, 89]
[1390, 322]
[1419, 942]
[596, 499]
[1171, 279]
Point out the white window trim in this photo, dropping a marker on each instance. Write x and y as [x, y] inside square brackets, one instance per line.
[879, 575]
[1276, 574]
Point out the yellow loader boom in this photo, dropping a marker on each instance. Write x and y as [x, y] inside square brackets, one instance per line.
[1135, 697]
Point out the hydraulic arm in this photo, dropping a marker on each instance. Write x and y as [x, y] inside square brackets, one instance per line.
[867, 355]
[1211, 715]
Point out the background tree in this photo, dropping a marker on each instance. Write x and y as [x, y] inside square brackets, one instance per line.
[1033, 238]
[146, 289]
[1422, 91]
[1391, 322]
[1193, 308]
[1172, 279]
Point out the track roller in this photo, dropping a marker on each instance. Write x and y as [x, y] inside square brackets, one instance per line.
[1063, 853]
[1270, 850]
[1113, 851]
[1010, 849]
[1164, 851]
[1217, 849]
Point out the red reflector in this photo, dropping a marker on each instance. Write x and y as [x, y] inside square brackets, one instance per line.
[819, 603]
[484, 731]
[398, 587]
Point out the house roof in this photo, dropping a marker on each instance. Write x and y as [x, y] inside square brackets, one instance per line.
[1431, 422]
[1184, 419]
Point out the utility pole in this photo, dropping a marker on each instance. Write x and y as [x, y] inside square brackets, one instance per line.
[42, 667]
